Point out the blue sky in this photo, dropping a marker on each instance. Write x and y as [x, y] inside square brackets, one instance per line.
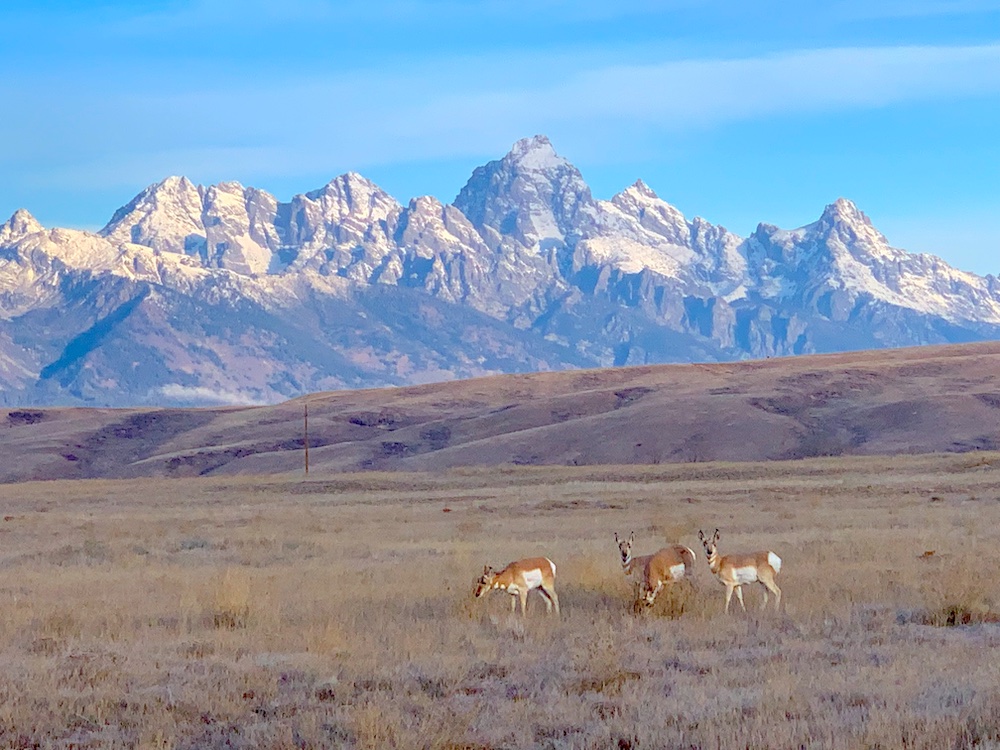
[739, 112]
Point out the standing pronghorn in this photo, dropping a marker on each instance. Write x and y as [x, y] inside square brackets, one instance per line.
[735, 570]
[520, 577]
[668, 565]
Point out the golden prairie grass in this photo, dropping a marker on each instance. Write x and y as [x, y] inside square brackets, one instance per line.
[338, 611]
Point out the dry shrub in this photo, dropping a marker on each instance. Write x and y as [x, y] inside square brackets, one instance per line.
[673, 601]
[466, 607]
[231, 608]
[961, 593]
[375, 725]
[156, 740]
[59, 627]
[329, 639]
[598, 664]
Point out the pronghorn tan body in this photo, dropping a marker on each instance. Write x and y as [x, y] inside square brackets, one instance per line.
[668, 565]
[520, 577]
[733, 571]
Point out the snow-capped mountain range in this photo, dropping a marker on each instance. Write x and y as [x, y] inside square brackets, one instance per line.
[223, 294]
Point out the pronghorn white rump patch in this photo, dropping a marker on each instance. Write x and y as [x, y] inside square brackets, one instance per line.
[677, 571]
[551, 565]
[533, 578]
[774, 561]
[745, 575]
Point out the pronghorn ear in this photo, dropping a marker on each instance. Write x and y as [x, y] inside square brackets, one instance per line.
[716, 537]
[486, 569]
[631, 536]
[616, 538]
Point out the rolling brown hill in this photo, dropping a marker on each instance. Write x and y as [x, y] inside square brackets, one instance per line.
[914, 400]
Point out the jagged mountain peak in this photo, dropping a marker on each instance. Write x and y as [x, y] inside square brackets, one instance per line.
[20, 224]
[536, 153]
[532, 195]
[638, 198]
[845, 210]
[652, 212]
[175, 187]
[229, 186]
[853, 230]
[173, 182]
[424, 203]
[174, 200]
[350, 188]
[640, 189]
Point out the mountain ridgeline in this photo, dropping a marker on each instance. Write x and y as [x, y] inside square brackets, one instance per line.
[197, 295]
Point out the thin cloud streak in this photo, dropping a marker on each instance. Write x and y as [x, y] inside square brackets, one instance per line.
[367, 119]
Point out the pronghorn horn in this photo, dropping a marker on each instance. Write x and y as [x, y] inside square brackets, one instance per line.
[616, 538]
[701, 535]
[631, 537]
[716, 537]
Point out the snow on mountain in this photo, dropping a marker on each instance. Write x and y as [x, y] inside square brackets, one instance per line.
[225, 225]
[700, 252]
[225, 293]
[166, 216]
[240, 231]
[17, 226]
[532, 195]
[842, 257]
[345, 228]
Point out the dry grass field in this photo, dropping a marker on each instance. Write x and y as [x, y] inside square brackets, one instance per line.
[271, 612]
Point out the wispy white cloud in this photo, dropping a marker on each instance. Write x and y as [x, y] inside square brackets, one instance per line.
[452, 107]
[207, 396]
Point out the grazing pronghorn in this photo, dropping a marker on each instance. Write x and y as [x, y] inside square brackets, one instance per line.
[735, 570]
[668, 565]
[520, 577]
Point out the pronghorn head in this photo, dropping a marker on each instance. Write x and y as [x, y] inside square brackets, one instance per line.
[710, 545]
[625, 546]
[485, 581]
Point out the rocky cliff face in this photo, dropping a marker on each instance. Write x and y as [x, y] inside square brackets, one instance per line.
[223, 294]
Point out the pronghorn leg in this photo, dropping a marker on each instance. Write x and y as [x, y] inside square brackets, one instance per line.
[513, 604]
[777, 595]
[551, 599]
[655, 592]
[739, 595]
[546, 598]
[524, 603]
[729, 595]
[763, 605]
[768, 583]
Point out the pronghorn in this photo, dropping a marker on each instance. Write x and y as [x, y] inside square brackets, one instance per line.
[520, 577]
[735, 570]
[668, 565]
